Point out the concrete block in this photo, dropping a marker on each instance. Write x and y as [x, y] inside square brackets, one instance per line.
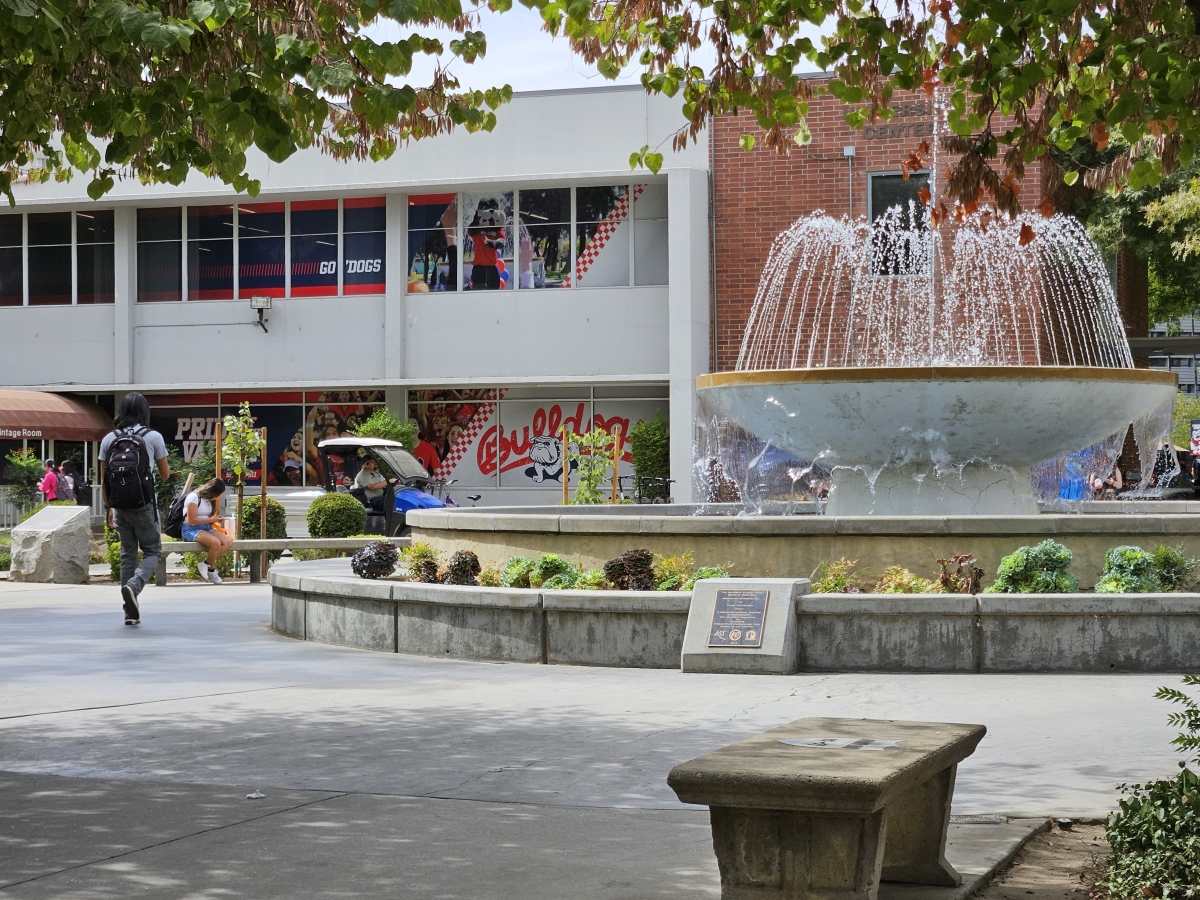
[350, 622]
[1031, 528]
[1128, 525]
[906, 525]
[1175, 524]
[887, 633]
[778, 653]
[465, 595]
[284, 577]
[596, 524]
[347, 586]
[547, 524]
[639, 629]
[52, 546]
[429, 518]
[497, 632]
[287, 612]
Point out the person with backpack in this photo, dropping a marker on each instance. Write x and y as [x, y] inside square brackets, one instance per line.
[129, 456]
[49, 483]
[66, 484]
[202, 511]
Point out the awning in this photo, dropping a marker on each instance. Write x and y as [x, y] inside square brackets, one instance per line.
[40, 416]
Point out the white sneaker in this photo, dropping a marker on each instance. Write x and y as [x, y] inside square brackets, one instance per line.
[213, 576]
[203, 569]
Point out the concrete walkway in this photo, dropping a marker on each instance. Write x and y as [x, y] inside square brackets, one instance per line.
[129, 751]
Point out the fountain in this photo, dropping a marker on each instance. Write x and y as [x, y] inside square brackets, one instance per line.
[925, 368]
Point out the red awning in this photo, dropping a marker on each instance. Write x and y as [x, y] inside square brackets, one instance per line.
[40, 416]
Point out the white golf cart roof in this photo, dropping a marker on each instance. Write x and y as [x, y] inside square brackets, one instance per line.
[405, 464]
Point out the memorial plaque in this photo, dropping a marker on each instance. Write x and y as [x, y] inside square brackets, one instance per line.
[738, 619]
[841, 743]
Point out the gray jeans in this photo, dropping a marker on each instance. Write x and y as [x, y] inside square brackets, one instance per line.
[138, 529]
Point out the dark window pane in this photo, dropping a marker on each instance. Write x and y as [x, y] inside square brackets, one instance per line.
[260, 220]
[314, 217]
[433, 264]
[50, 228]
[260, 267]
[95, 266]
[160, 271]
[545, 255]
[594, 204]
[893, 190]
[11, 290]
[94, 227]
[49, 275]
[10, 230]
[546, 207]
[210, 270]
[160, 224]
[314, 263]
[210, 222]
[364, 214]
[364, 271]
[432, 211]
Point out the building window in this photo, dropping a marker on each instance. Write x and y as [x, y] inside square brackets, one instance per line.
[314, 248]
[210, 253]
[261, 250]
[159, 254]
[650, 234]
[12, 271]
[49, 259]
[602, 236]
[364, 239]
[901, 250]
[544, 238]
[488, 247]
[94, 257]
[432, 242]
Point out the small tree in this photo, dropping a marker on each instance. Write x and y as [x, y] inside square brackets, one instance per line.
[242, 443]
[650, 446]
[24, 471]
[383, 423]
[591, 454]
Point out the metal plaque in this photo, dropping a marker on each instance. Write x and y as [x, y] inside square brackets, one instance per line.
[840, 743]
[738, 619]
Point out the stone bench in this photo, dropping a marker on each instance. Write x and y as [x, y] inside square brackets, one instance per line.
[254, 547]
[827, 808]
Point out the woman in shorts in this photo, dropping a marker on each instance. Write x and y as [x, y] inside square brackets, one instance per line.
[202, 510]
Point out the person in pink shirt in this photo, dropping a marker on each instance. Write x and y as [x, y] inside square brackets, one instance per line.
[49, 483]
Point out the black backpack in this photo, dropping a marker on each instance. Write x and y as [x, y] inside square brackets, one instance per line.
[128, 481]
[172, 525]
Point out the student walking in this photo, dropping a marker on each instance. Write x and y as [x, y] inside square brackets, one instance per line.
[49, 483]
[128, 457]
[202, 512]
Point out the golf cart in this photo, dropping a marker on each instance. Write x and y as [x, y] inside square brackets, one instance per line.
[409, 485]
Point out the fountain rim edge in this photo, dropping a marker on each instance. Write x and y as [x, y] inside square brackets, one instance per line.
[833, 375]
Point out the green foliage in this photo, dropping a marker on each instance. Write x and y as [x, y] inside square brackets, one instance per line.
[899, 580]
[837, 577]
[1178, 216]
[1187, 408]
[1131, 570]
[241, 443]
[276, 520]
[516, 572]
[566, 580]
[705, 572]
[420, 562]
[1155, 833]
[310, 555]
[547, 566]
[385, 424]
[5, 559]
[672, 572]
[592, 580]
[1035, 570]
[113, 558]
[192, 560]
[34, 510]
[23, 470]
[489, 577]
[336, 515]
[650, 447]
[592, 455]
[113, 87]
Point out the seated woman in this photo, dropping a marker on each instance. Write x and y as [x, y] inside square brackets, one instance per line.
[202, 510]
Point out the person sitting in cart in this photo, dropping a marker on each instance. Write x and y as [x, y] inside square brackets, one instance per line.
[372, 482]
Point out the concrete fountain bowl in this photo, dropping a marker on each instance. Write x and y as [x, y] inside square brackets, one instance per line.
[935, 440]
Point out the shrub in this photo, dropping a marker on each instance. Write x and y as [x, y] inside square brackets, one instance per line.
[650, 447]
[309, 555]
[672, 572]
[336, 515]
[420, 563]
[705, 572]
[516, 572]
[1131, 570]
[276, 520]
[463, 568]
[1155, 833]
[23, 471]
[376, 560]
[192, 560]
[1174, 570]
[113, 557]
[966, 577]
[383, 423]
[592, 580]
[899, 580]
[489, 577]
[566, 580]
[836, 577]
[547, 566]
[633, 570]
[1035, 570]
[5, 559]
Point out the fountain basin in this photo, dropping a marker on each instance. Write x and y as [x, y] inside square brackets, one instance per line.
[934, 440]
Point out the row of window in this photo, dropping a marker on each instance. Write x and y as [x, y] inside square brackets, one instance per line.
[605, 236]
[56, 258]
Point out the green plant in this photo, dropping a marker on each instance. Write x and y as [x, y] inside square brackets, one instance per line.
[547, 566]
[113, 558]
[899, 580]
[592, 580]
[309, 555]
[5, 559]
[1187, 407]
[420, 562]
[566, 580]
[383, 423]
[836, 577]
[650, 447]
[276, 520]
[1131, 570]
[336, 515]
[192, 560]
[34, 510]
[23, 471]
[705, 572]
[515, 573]
[1035, 570]
[463, 568]
[242, 442]
[1175, 570]
[376, 560]
[592, 455]
[1155, 832]
[672, 572]
[489, 577]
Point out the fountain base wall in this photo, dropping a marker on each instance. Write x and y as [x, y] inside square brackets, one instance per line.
[898, 489]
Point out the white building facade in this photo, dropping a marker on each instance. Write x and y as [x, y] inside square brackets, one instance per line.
[493, 287]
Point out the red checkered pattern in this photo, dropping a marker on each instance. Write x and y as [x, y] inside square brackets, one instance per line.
[483, 414]
[604, 232]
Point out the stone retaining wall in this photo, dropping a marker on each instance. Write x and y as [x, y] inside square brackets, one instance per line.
[322, 601]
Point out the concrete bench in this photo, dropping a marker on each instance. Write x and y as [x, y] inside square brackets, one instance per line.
[827, 808]
[254, 547]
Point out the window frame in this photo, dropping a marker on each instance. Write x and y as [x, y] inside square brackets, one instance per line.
[73, 246]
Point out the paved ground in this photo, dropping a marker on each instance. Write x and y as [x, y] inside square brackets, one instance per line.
[126, 754]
